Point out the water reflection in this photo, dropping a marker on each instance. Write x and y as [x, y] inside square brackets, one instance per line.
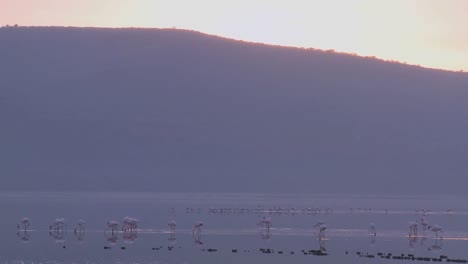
[322, 245]
[23, 235]
[413, 240]
[111, 237]
[172, 239]
[372, 240]
[436, 247]
[265, 234]
[198, 242]
[130, 236]
[233, 229]
[80, 230]
[58, 235]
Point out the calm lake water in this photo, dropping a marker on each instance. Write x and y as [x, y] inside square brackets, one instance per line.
[230, 233]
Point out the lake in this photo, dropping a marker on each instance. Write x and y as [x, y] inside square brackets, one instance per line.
[230, 231]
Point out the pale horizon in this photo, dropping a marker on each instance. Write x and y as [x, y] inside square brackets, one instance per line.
[426, 33]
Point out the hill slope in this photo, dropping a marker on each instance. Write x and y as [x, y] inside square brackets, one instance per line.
[171, 110]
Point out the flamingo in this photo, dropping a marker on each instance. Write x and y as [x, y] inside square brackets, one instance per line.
[80, 226]
[172, 224]
[79, 229]
[424, 224]
[112, 225]
[319, 223]
[129, 228]
[23, 229]
[196, 231]
[322, 228]
[197, 228]
[23, 224]
[436, 229]
[56, 230]
[57, 225]
[129, 224]
[265, 223]
[413, 229]
[110, 232]
[372, 230]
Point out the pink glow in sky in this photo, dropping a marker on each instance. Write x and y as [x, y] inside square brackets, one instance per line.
[431, 33]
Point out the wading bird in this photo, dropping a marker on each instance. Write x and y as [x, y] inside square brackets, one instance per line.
[24, 224]
[80, 226]
[424, 224]
[129, 224]
[196, 233]
[112, 226]
[23, 229]
[172, 225]
[372, 230]
[413, 229]
[436, 229]
[57, 225]
[57, 230]
[265, 223]
[322, 227]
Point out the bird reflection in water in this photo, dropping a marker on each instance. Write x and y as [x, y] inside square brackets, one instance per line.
[80, 230]
[372, 240]
[130, 237]
[322, 245]
[57, 235]
[111, 237]
[413, 240]
[423, 240]
[23, 235]
[436, 247]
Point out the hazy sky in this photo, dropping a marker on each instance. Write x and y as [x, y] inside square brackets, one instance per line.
[432, 33]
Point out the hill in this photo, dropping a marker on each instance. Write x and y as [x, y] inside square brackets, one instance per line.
[175, 110]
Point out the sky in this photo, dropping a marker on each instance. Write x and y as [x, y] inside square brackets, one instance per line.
[430, 33]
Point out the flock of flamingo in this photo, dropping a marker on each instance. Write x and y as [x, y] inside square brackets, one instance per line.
[413, 228]
[129, 227]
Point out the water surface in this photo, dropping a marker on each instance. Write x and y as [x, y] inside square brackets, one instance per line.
[230, 233]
